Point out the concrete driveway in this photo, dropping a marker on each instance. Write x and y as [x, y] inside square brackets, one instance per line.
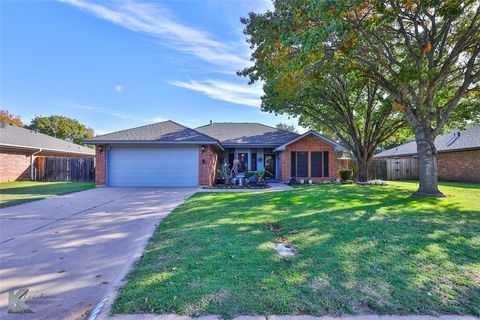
[73, 251]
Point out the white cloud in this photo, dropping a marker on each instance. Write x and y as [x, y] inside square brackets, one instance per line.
[118, 88]
[112, 112]
[225, 91]
[157, 22]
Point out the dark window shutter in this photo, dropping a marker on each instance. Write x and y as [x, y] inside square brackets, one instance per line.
[254, 162]
[293, 164]
[302, 164]
[316, 164]
[325, 164]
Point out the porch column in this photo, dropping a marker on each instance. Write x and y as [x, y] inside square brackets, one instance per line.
[278, 167]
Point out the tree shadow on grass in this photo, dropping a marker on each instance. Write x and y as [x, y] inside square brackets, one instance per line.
[361, 250]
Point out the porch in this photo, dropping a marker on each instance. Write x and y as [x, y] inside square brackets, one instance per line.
[253, 159]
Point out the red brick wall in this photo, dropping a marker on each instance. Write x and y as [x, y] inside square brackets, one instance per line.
[100, 165]
[459, 166]
[14, 165]
[309, 143]
[207, 167]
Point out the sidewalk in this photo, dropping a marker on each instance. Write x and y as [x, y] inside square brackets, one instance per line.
[359, 317]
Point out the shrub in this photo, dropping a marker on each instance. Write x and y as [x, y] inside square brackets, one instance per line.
[249, 174]
[345, 174]
[376, 182]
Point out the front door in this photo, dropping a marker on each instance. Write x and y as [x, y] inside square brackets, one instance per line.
[270, 165]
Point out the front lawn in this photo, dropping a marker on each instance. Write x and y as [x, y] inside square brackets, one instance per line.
[17, 192]
[360, 250]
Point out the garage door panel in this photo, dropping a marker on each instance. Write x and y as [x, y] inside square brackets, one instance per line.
[153, 166]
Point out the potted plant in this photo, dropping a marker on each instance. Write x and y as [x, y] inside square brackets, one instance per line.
[302, 181]
[261, 175]
[310, 180]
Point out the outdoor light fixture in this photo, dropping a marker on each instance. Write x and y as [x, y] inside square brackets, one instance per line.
[109, 148]
[203, 149]
[100, 148]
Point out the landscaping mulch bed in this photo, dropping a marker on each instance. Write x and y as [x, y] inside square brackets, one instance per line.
[236, 186]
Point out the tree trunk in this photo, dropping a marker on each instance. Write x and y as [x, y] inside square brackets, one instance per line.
[362, 170]
[428, 175]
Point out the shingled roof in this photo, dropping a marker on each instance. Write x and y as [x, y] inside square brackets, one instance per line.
[161, 132]
[453, 141]
[232, 134]
[20, 138]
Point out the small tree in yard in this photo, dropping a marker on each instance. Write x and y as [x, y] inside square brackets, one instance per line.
[424, 53]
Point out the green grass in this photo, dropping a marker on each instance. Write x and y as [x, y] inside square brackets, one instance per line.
[12, 193]
[361, 250]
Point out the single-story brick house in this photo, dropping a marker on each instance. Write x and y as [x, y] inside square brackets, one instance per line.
[169, 154]
[19, 147]
[458, 154]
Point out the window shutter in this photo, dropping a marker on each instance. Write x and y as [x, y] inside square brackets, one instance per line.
[316, 164]
[293, 164]
[302, 164]
[325, 164]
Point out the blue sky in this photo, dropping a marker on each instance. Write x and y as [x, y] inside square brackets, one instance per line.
[120, 64]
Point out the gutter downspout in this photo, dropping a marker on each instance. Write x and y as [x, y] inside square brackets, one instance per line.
[32, 167]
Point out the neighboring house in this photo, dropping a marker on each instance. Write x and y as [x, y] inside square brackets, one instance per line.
[458, 154]
[20, 146]
[169, 154]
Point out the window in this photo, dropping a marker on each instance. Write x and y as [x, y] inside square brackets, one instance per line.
[293, 164]
[325, 164]
[316, 164]
[242, 162]
[302, 164]
[254, 161]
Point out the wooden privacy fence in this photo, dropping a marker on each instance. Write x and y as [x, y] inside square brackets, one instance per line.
[54, 169]
[386, 169]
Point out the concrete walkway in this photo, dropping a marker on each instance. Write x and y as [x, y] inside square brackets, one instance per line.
[73, 251]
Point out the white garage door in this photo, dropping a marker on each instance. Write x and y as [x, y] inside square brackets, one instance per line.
[156, 166]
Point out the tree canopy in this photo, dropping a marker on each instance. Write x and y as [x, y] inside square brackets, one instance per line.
[62, 127]
[424, 54]
[7, 117]
[286, 127]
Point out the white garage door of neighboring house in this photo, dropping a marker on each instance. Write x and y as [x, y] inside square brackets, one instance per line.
[155, 166]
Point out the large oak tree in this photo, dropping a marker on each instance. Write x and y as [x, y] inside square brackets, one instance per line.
[424, 53]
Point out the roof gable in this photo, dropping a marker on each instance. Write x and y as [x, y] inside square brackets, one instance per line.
[337, 146]
[17, 137]
[252, 134]
[161, 132]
